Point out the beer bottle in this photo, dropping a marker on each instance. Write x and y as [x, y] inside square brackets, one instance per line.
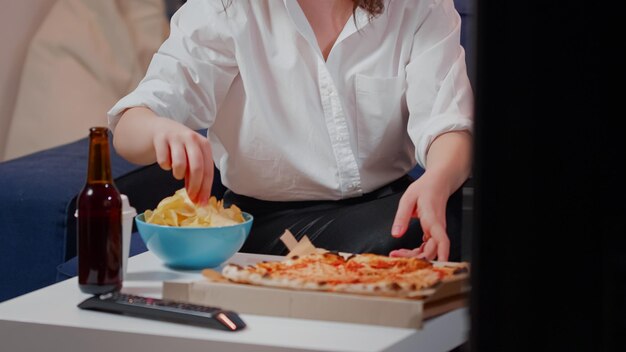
[99, 222]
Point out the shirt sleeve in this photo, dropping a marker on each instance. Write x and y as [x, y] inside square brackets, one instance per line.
[439, 95]
[190, 74]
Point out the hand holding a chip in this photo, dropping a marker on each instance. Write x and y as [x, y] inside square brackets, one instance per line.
[188, 154]
[143, 137]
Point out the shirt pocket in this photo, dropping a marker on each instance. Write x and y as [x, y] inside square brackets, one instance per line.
[381, 115]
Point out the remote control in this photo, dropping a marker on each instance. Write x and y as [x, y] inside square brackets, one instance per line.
[160, 309]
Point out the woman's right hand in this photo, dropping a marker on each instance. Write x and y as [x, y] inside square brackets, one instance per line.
[187, 153]
[142, 137]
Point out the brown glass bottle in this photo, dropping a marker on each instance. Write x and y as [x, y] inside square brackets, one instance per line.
[99, 222]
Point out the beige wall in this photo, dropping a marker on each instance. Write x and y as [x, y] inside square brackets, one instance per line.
[18, 22]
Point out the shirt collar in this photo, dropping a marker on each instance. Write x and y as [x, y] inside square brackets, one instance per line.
[300, 21]
[360, 17]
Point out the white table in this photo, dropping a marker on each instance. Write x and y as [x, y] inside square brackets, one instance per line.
[48, 320]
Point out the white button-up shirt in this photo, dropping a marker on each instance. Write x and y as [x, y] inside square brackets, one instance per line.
[284, 123]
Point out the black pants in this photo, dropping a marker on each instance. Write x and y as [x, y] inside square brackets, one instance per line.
[355, 225]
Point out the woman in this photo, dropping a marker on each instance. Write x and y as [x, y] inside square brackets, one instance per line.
[316, 110]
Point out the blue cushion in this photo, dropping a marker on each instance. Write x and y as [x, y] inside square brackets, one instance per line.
[36, 190]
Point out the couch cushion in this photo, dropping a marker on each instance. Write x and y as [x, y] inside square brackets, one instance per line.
[85, 56]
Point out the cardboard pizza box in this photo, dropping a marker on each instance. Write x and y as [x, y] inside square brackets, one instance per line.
[215, 290]
[318, 305]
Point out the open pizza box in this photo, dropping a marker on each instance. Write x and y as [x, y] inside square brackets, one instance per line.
[217, 291]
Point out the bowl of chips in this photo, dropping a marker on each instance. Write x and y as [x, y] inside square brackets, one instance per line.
[188, 236]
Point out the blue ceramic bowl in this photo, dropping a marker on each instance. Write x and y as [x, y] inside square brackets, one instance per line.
[194, 247]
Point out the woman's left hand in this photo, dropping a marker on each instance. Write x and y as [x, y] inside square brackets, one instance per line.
[448, 165]
[425, 199]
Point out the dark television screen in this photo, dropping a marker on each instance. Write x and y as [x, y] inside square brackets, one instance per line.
[549, 248]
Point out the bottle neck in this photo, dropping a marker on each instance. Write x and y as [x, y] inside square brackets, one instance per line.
[99, 164]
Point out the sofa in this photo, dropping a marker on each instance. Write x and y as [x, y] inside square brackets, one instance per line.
[83, 56]
[38, 195]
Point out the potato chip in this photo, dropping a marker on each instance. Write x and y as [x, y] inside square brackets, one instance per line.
[178, 210]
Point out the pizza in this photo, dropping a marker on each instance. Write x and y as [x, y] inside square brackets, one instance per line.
[357, 273]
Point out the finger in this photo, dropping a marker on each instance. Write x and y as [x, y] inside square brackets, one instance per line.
[206, 188]
[187, 180]
[430, 242]
[206, 184]
[430, 250]
[195, 171]
[425, 240]
[406, 207]
[443, 242]
[179, 160]
[404, 253]
[162, 151]
[428, 218]
[420, 249]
